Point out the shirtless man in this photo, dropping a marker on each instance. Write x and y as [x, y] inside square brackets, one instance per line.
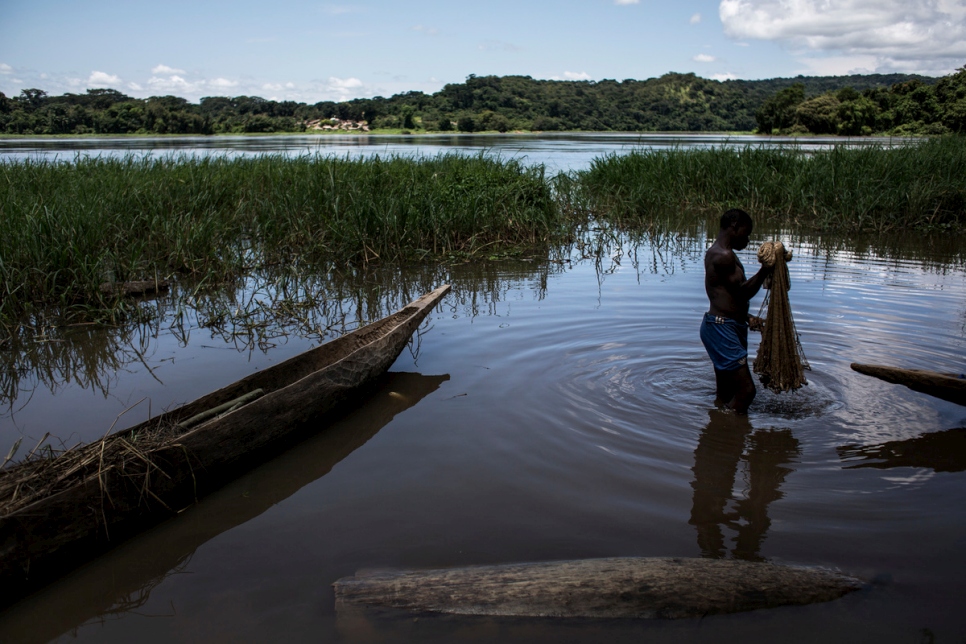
[724, 330]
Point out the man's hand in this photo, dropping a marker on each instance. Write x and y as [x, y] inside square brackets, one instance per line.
[755, 323]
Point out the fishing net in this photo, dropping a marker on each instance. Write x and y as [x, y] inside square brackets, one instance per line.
[781, 362]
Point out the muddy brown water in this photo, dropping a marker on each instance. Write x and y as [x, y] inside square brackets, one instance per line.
[547, 410]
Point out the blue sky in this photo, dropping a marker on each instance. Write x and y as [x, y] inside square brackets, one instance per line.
[312, 51]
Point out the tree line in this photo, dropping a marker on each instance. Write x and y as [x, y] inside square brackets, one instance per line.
[859, 104]
[908, 107]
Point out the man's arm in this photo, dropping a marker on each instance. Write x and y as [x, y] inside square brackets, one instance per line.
[732, 278]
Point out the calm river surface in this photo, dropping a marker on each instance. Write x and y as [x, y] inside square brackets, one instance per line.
[560, 152]
[548, 410]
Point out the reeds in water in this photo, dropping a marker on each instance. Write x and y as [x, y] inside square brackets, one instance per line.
[69, 227]
[920, 186]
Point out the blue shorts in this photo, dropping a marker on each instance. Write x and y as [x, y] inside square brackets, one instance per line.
[726, 341]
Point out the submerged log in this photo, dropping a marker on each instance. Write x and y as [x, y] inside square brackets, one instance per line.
[626, 587]
[947, 386]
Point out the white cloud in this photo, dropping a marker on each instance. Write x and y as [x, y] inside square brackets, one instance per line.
[724, 77]
[164, 69]
[429, 31]
[703, 58]
[340, 89]
[622, 2]
[102, 79]
[344, 83]
[194, 86]
[695, 19]
[927, 36]
[173, 85]
[5, 68]
[222, 83]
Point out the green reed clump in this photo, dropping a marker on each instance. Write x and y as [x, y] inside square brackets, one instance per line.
[870, 189]
[68, 227]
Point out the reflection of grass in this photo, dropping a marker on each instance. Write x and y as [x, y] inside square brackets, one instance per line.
[249, 315]
[870, 189]
[68, 227]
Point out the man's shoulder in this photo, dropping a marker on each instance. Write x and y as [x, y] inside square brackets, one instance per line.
[719, 256]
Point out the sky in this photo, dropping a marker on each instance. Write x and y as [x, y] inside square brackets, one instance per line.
[314, 51]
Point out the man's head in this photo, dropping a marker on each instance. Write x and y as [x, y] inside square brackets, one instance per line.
[738, 224]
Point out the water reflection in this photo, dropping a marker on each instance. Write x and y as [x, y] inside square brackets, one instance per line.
[558, 152]
[943, 451]
[122, 579]
[251, 315]
[726, 444]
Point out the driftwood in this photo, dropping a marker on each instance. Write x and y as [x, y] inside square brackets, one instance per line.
[91, 508]
[138, 287]
[633, 587]
[947, 386]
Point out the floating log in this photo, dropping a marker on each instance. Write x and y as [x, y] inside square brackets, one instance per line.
[947, 386]
[629, 587]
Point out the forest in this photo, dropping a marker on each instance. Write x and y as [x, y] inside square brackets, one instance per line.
[847, 105]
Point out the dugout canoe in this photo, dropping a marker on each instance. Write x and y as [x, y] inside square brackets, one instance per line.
[110, 500]
[947, 386]
[124, 578]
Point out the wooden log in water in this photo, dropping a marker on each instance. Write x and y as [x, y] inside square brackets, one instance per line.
[947, 386]
[626, 587]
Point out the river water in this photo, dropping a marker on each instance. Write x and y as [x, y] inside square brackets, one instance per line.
[560, 152]
[556, 408]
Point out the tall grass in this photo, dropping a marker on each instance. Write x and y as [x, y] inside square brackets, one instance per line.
[850, 190]
[68, 227]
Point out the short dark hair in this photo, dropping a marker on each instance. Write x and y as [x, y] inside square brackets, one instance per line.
[735, 216]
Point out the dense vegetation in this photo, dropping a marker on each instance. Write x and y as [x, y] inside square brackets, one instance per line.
[673, 102]
[70, 227]
[910, 107]
[846, 190]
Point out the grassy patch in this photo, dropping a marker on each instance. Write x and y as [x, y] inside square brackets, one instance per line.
[68, 227]
[868, 189]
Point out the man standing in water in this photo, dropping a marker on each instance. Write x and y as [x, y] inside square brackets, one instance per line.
[724, 330]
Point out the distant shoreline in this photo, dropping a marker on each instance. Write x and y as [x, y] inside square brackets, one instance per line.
[424, 133]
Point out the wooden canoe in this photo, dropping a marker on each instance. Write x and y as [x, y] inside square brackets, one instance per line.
[123, 578]
[44, 537]
[947, 386]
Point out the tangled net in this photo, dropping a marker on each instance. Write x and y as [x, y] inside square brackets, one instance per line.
[781, 362]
